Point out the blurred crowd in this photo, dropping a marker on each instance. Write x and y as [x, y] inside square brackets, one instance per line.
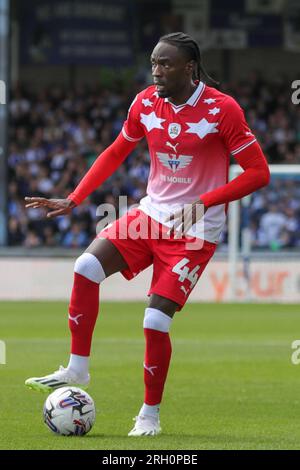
[274, 215]
[56, 135]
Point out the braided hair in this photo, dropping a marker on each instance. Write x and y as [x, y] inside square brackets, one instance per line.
[191, 49]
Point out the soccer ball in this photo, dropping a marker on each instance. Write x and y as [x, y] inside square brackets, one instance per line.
[69, 411]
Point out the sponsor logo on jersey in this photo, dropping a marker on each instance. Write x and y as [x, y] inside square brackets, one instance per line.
[174, 162]
[175, 179]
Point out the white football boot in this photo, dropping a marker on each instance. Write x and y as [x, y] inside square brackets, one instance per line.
[60, 378]
[145, 426]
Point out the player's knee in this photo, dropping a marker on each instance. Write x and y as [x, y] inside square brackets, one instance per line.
[90, 267]
[155, 319]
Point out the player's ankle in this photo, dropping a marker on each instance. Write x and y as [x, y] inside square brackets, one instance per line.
[78, 375]
[79, 365]
[150, 410]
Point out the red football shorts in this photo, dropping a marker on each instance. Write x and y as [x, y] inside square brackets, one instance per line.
[177, 263]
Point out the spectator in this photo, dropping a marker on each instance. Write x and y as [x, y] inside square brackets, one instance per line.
[75, 237]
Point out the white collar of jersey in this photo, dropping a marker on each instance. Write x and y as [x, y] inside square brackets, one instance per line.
[193, 100]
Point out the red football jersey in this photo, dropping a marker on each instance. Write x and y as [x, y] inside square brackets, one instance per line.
[189, 147]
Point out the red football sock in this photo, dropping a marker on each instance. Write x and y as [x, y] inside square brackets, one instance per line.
[83, 312]
[157, 359]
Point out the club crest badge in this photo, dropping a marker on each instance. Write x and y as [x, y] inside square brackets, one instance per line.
[174, 130]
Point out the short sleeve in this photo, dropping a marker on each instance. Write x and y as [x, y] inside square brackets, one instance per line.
[234, 129]
[132, 129]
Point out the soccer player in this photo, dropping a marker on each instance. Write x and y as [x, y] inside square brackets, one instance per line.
[191, 130]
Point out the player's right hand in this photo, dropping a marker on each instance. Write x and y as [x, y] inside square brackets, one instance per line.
[57, 206]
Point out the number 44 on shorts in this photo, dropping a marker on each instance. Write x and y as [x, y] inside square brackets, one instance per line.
[184, 273]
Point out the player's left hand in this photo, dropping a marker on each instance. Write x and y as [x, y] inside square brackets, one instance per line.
[185, 218]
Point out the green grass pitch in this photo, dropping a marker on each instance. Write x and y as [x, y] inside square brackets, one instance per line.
[231, 383]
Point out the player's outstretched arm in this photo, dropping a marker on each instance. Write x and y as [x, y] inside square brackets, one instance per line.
[105, 165]
[57, 206]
